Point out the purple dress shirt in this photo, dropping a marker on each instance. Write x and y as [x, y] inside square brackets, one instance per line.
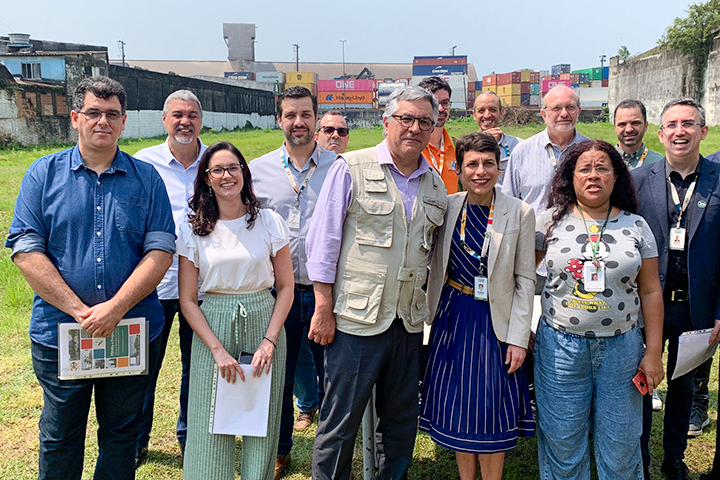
[326, 227]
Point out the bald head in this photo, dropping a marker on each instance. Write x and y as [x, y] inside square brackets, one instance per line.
[561, 109]
[487, 111]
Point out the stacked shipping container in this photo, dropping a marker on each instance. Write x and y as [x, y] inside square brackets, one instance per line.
[453, 69]
[302, 79]
[515, 89]
[356, 94]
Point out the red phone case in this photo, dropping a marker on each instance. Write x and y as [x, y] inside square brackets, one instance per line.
[641, 382]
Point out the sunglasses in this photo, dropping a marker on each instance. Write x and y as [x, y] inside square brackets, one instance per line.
[343, 132]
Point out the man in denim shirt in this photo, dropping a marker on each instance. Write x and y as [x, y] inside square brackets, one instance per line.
[93, 235]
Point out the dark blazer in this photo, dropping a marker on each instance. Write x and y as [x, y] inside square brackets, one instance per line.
[703, 246]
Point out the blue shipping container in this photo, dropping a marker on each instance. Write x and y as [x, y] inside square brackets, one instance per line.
[240, 75]
[606, 72]
[429, 70]
[560, 68]
[534, 89]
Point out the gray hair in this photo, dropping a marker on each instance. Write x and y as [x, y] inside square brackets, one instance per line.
[101, 87]
[409, 94]
[687, 102]
[577, 97]
[334, 111]
[186, 95]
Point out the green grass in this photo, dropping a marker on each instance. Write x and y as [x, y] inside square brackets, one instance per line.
[21, 397]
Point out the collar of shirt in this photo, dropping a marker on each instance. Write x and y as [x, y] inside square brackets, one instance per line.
[631, 156]
[384, 158]
[546, 140]
[119, 163]
[314, 158]
[170, 158]
[670, 170]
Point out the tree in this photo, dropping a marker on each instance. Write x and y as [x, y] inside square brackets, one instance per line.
[623, 53]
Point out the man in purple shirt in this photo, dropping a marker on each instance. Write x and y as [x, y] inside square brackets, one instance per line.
[368, 246]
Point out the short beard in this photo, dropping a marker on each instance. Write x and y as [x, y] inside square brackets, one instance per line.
[183, 140]
[299, 141]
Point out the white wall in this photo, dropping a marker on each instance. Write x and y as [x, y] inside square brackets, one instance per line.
[148, 123]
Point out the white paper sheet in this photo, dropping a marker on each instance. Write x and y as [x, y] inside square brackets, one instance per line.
[242, 408]
[693, 351]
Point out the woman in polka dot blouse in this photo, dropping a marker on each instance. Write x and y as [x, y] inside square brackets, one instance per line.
[602, 280]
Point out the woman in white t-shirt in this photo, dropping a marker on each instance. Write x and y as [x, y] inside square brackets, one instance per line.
[238, 251]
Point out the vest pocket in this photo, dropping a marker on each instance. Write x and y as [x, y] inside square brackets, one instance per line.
[420, 310]
[434, 217]
[360, 293]
[374, 222]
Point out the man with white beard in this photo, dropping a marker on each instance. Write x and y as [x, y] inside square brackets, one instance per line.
[176, 160]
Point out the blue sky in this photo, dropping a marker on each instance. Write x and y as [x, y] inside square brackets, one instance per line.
[499, 35]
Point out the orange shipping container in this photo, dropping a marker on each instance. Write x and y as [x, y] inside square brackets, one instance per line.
[350, 97]
[564, 76]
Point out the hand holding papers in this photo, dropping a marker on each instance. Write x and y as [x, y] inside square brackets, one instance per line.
[693, 350]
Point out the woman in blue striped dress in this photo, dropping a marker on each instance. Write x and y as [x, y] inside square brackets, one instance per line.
[481, 286]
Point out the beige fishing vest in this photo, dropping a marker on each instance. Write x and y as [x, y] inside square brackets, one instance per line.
[383, 261]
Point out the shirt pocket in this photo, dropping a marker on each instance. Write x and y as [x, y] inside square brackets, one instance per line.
[361, 290]
[434, 217]
[374, 222]
[131, 214]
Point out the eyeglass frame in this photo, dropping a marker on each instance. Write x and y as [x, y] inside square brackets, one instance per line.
[224, 169]
[419, 121]
[324, 129]
[557, 109]
[685, 124]
[92, 112]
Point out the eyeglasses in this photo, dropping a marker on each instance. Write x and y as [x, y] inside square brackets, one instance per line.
[94, 115]
[218, 172]
[601, 170]
[686, 125]
[556, 109]
[407, 121]
[445, 104]
[343, 132]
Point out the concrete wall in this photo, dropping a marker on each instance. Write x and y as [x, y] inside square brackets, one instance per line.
[148, 123]
[34, 115]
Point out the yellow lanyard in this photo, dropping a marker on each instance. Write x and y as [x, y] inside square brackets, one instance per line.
[488, 232]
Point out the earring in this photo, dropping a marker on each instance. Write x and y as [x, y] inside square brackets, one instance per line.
[212, 194]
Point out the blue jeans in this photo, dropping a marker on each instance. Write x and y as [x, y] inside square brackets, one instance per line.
[66, 404]
[170, 308]
[297, 322]
[307, 390]
[583, 383]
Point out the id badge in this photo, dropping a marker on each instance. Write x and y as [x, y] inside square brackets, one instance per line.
[677, 239]
[293, 221]
[594, 277]
[481, 288]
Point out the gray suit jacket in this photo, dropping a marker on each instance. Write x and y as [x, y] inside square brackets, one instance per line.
[511, 265]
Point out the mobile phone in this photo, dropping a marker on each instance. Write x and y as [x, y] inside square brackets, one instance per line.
[245, 358]
[640, 382]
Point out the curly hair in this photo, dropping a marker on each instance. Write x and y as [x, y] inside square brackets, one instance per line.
[203, 204]
[562, 191]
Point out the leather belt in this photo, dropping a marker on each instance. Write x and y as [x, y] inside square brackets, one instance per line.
[303, 288]
[462, 288]
[678, 296]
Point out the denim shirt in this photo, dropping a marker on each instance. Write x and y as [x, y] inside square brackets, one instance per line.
[94, 229]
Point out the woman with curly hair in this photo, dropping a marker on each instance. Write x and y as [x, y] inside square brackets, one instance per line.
[602, 274]
[238, 251]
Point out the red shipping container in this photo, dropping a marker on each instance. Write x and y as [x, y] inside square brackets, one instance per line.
[605, 82]
[548, 84]
[348, 85]
[534, 77]
[525, 88]
[489, 80]
[504, 79]
[471, 86]
[546, 77]
[574, 78]
[556, 77]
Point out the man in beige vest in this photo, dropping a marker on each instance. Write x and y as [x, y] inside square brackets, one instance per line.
[368, 247]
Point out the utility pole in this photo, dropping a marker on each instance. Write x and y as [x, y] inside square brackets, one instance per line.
[602, 60]
[343, 77]
[452, 50]
[121, 44]
[297, 56]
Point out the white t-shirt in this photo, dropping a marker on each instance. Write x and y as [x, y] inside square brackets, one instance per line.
[233, 259]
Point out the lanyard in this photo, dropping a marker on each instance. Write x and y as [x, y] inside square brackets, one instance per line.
[642, 158]
[488, 232]
[291, 178]
[686, 200]
[507, 151]
[551, 152]
[595, 246]
[441, 155]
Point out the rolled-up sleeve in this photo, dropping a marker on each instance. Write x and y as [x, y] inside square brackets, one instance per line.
[27, 230]
[326, 227]
[160, 233]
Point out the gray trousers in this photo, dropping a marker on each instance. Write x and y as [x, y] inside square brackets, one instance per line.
[353, 364]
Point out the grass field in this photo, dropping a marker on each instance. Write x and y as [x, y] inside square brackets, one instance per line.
[21, 397]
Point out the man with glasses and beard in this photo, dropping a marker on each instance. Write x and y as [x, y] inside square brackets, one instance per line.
[333, 133]
[176, 160]
[440, 152]
[288, 180]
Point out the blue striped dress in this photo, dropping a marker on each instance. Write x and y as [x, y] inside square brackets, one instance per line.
[470, 403]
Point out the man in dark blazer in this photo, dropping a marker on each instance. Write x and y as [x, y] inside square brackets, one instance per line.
[680, 200]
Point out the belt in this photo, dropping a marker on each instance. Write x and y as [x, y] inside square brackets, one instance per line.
[303, 288]
[678, 295]
[462, 288]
